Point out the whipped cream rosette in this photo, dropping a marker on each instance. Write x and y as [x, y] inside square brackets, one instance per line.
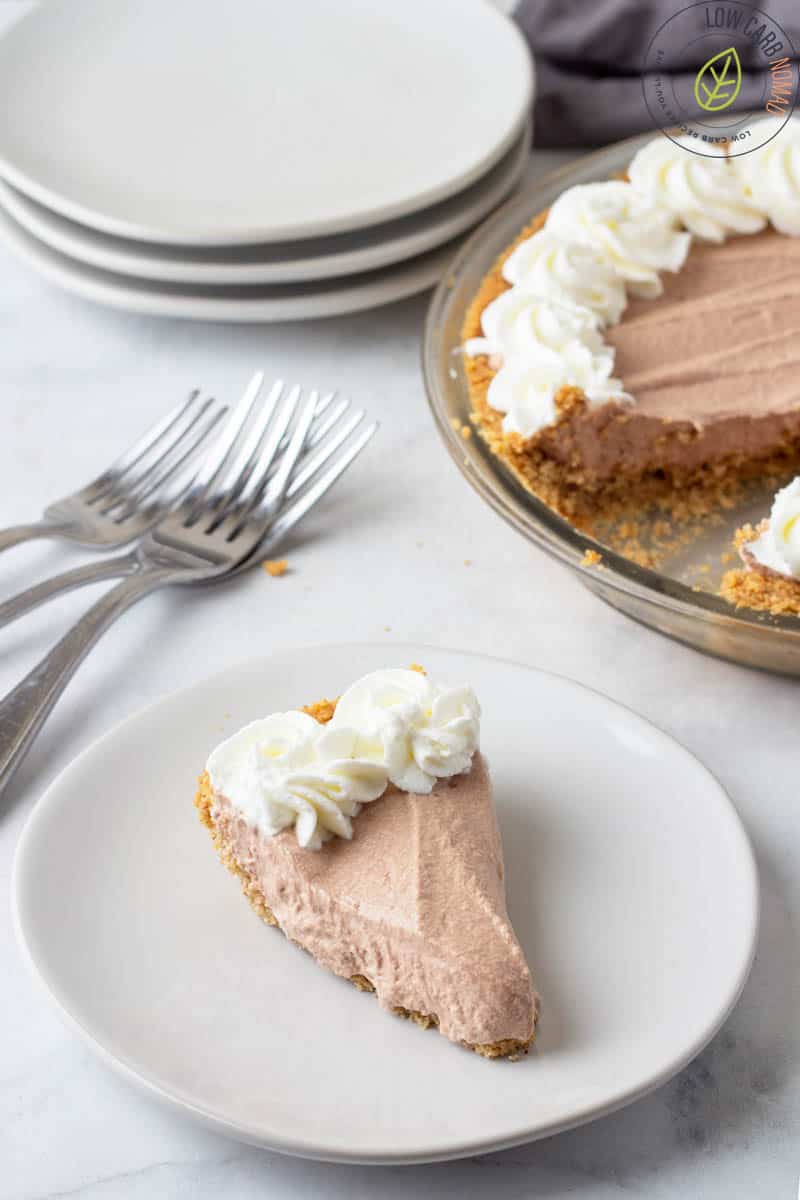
[517, 320]
[777, 546]
[638, 238]
[551, 267]
[709, 196]
[771, 173]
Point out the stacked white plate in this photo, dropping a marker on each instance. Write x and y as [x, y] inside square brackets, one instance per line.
[255, 161]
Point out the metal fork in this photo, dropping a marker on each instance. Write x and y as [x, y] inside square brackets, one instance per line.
[128, 497]
[236, 511]
[332, 425]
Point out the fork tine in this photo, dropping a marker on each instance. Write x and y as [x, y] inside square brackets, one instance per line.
[321, 428]
[263, 454]
[236, 423]
[148, 439]
[280, 481]
[324, 403]
[225, 503]
[147, 450]
[322, 407]
[298, 509]
[318, 425]
[156, 462]
[313, 461]
[172, 471]
[236, 472]
[253, 500]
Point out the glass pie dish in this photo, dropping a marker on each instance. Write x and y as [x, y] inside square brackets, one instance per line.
[677, 599]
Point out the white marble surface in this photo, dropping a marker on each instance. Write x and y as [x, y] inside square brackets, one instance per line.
[386, 561]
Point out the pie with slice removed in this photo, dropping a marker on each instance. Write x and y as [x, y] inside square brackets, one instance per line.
[638, 345]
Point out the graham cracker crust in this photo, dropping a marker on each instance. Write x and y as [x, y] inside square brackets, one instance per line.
[322, 711]
[762, 590]
[685, 498]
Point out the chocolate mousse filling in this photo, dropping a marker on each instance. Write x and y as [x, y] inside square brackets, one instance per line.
[713, 364]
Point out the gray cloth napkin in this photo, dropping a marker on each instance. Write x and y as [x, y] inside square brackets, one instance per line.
[589, 56]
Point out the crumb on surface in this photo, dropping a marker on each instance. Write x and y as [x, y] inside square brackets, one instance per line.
[276, 566]
[321, 711]
[591, 558]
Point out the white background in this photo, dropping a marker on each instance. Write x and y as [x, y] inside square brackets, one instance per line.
[384, 560]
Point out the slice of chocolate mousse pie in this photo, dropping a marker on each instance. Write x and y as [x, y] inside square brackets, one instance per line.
[769, 578]
[365, 829]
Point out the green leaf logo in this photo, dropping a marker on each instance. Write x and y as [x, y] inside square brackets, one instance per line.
[717, 84]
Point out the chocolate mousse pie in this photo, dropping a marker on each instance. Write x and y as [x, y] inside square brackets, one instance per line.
[365, 829]
[642, 337]
[769, 577]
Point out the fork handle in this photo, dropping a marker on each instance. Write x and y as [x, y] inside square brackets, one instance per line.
[26, 533]
[106, 568]
[25, 709]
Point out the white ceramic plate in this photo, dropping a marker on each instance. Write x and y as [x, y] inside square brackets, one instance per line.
[202, 123]
[281, 263]
[243, 303]
[630, 881]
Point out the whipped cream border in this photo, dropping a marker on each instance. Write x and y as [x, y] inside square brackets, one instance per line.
[391, 726]
[602, 241]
